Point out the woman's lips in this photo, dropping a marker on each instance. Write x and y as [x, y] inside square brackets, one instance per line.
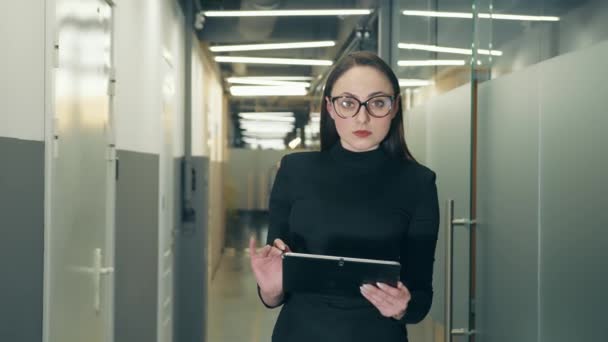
[362, 133]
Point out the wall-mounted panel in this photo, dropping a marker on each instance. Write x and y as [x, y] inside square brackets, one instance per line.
[573, 161]
[507, 197]
[22, 69]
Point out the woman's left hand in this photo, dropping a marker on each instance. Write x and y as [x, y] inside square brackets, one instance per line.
[390, 301]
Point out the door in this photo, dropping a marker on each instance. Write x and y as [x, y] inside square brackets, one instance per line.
[433, 63]
[80, 174]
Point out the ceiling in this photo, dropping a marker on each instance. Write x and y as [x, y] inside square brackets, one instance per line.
[341, 29]
[218, 31]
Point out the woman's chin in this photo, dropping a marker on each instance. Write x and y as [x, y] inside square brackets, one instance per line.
[360, 145]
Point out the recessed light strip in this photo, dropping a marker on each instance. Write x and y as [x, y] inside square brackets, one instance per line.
[288, 13]
[261, 60]
[238, 80]
[431, 62]
[465, 15]
[267, 91]
[279, 78]
[435, 48]
[276, 46]
[408, 82]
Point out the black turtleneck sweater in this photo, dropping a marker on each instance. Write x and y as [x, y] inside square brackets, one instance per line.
[354, 204]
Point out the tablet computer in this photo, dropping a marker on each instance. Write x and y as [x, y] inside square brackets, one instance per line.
[335, 275]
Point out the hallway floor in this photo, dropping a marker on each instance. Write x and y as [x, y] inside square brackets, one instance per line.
[235, 312]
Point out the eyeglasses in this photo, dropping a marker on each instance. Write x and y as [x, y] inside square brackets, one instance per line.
[348, 106]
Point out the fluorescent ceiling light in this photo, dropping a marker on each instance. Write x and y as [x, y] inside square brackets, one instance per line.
[283, 114]
[295, 142]
[286, 13]
[276, 46]
[264, 135]
[277, 78]
[239, 80]
[253, 124]
[517, 17]
[466, 15]
[408, 82]
[431, 62]
[435, 48]
[268, 117]
[262, 60]
[439, 14]
[267, 91]
[256, 123]
[261, 129]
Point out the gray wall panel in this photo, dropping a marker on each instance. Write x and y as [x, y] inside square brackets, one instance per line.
[507, 245]
[191, 307]
[136, 257]
[21, 239]
[574, 160]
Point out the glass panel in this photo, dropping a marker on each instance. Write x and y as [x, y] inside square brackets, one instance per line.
[433, 65]
[449, 154]
[79, 174]
[573, 198]
[527, 32]
[434, 52]
[507, 197]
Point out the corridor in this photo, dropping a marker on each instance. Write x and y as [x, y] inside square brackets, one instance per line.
[461, 142]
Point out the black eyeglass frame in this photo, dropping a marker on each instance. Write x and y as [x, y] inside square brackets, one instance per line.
[363, 104]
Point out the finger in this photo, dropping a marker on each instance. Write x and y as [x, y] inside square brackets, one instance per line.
[278, 243]
[393, 291]
[402, 287]
[377, 295]
[265, 251]
[275, 251]
[380, 305]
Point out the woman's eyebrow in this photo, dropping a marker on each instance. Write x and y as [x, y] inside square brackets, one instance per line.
[368, 96]
[376, 93]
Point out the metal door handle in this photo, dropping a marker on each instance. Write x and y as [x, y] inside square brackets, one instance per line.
[450, 222]
[98, 271]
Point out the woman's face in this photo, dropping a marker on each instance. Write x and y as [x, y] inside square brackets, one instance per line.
[363, 132]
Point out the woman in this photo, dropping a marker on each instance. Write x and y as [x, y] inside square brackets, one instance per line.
[363, 195]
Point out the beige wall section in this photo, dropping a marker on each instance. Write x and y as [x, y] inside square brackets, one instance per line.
[211, 131]
[249, 177]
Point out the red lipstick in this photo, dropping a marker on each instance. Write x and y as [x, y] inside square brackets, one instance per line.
[362, 133]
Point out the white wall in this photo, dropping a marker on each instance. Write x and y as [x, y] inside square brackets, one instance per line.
[200, 134]
[22, 35]
[138, 89]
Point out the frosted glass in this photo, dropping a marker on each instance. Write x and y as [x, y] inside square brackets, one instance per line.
[574, 215]
[507, 232]
[447, 152]
[415, 132]
[80, 176]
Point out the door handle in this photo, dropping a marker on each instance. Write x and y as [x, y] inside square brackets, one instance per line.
[98, 271]
[450, 222]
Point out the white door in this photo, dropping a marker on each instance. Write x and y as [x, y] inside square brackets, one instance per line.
[166, 205]
[80, 174]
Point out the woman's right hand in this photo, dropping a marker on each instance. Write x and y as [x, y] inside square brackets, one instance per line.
[267, 266]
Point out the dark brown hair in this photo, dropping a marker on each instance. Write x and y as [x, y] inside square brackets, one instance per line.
[394, 143]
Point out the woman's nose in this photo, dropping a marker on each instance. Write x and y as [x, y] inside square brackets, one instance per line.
[363, 115]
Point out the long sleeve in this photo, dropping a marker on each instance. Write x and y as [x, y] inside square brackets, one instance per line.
[279, 210]
[419, 252]
[279, 205]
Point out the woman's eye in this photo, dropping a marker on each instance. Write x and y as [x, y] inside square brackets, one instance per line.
[347, 104]
[378, 103]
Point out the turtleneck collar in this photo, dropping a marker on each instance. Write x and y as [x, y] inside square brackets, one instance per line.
[363, 160]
